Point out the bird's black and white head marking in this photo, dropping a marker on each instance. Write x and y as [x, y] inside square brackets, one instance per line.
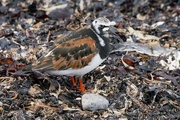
[101, 25]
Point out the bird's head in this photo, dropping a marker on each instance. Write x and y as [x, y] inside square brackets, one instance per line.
[102, 25]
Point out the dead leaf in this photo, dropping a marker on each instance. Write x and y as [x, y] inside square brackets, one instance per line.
[35, 89]
[38, 104]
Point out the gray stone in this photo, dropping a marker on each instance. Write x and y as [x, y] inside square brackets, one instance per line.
[94, 102]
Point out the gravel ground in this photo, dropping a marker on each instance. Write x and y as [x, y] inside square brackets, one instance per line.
[137, 85]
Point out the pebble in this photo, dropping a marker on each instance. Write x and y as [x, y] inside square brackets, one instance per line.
[94, 102]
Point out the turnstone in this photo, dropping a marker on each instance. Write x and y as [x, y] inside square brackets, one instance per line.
[79, 52]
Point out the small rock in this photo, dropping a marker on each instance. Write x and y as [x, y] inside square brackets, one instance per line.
[94, 102]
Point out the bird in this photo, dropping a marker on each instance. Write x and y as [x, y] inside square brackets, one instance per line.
[78, 52]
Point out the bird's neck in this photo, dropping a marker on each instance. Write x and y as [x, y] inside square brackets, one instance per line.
[103, 43]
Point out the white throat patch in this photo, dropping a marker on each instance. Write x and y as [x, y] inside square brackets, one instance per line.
[96, 28]
[101, 41]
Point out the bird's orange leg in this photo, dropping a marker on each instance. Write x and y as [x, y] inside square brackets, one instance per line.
[73, 81]
[81, 86]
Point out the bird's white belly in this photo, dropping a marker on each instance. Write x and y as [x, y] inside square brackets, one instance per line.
[95, 62]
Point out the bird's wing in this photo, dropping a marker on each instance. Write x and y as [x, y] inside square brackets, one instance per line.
[74, 51]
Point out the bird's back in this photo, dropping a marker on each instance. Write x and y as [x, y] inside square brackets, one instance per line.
[75, 51]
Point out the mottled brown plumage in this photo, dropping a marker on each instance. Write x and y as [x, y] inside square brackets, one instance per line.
[70, 52]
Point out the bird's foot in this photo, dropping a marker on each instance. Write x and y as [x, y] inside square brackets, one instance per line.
[81, 87]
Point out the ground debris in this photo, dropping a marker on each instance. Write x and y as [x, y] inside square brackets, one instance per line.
[140, 78]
